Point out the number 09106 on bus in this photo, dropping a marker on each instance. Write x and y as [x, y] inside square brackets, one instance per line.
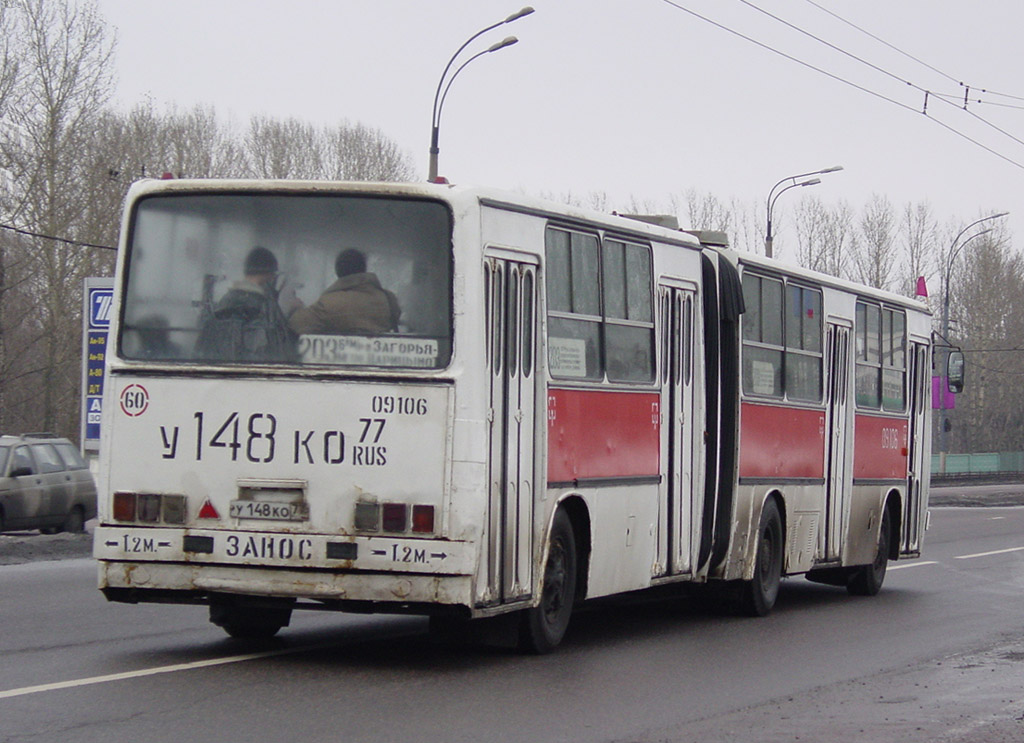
[470, 404]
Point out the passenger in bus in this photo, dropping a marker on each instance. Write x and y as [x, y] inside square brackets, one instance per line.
[355, 303]
[154, 336]
[247, 323]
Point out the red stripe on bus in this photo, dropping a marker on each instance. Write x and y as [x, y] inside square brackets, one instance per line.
[880, 448]
[594, 433]
[781, 442]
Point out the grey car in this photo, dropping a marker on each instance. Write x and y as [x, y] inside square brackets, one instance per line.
[44, 484]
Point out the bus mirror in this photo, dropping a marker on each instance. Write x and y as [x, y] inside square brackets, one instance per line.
[955, 372]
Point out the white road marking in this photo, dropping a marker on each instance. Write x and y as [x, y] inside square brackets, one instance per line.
[986, 554]
[151, 671]
[912, 564]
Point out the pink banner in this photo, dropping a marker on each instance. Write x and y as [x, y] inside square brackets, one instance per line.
[940, 389]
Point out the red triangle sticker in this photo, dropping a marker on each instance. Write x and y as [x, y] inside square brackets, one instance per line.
[208, 511]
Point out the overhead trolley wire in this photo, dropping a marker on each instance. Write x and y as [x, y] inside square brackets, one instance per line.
[945, 98]
[832, 46]
[850, 83]
[790, 57]
[67, 241]
[919, 61]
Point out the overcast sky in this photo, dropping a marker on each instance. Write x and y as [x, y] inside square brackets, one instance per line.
[634, 98]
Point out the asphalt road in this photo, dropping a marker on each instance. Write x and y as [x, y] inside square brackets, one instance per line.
[937, 656]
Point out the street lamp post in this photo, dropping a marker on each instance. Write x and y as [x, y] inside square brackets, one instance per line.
[774, 195]
[435, 116]
[954, 251]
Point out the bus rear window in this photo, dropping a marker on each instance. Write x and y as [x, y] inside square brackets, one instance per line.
[330, 280]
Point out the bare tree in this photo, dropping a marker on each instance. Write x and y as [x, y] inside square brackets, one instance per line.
[919, 233]
[987, 303]
[356, 152]
[65, 78]
[874, 249]
[282, 149]
[704, 211]
[824, 234]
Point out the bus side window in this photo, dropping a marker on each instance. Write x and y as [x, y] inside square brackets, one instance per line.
[762, 336]
[574, 301]
[628, 312]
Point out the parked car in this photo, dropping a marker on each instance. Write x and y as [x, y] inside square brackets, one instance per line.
[44, 484]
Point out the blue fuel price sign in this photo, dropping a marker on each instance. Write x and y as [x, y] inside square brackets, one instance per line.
[96, 314]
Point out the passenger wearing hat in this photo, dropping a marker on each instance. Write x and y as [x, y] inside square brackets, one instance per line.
[247, 323]
[355, 303]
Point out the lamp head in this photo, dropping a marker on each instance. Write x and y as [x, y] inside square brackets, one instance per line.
[507, 41]
[519, 14]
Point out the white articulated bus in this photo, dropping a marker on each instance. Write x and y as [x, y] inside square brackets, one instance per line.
[554, 405]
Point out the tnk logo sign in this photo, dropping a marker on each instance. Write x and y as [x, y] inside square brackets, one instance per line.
[100, 301]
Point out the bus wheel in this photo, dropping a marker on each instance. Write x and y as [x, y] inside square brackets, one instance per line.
[757, 596]
[544, 626]
[249, 622]
[866, 580]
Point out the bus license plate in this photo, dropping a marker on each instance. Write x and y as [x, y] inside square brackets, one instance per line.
[267, 510]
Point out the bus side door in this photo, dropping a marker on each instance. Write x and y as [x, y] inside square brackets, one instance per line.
[511, 287]
[837, 443]
[918, 456]
[678, 508]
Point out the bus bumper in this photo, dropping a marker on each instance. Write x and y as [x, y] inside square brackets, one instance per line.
[187, 565]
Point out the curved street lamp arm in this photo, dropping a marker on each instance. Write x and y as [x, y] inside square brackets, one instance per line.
[772, 200]
[955, 250]
[525, 11]
[823, 171]
[435, 113]
[507, 41]
[436, 128]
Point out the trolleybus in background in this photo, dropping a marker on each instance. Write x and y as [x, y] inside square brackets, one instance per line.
[572, 405]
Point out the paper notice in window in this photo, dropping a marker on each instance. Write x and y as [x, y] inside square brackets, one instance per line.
[567, 357]
[763, 378]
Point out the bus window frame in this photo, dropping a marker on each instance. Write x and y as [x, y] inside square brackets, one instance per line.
[603, 321]
[287, 366]
[885, 348]
[782, 349]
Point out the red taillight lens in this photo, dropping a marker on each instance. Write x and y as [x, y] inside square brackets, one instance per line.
[393, 516]
[124, 506]
[423, 519]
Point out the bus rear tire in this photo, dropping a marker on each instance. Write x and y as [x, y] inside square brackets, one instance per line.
[544, 626]
[757, 596]
[866, 580]
[249, 622]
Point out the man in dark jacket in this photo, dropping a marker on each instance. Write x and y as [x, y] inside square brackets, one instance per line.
[354, 304]
[247, 323]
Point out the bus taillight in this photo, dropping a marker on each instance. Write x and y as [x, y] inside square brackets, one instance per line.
[394, 518]
[423, 519]
[124, 506]
[150, 508]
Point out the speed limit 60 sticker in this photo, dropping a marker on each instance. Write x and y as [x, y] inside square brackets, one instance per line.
[134, 400]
